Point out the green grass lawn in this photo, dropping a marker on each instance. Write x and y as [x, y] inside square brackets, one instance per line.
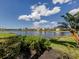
[8, 46]
[66, 45]
[5, 38]
[5, 35]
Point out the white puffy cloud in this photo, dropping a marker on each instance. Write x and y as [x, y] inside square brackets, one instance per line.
[74, 11]
[38, 11]
[43, 21]
[44, 11]
[53, 24]
[60, 1]
[33, 16]
[39, 24]
[45, 24]
[24, 17]
[36, 25]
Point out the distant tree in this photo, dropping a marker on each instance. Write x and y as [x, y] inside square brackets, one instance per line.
[72, 24]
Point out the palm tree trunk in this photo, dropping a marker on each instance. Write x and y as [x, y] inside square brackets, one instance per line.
[75, 36]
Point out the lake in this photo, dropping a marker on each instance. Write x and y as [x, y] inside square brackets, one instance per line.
[48, 34]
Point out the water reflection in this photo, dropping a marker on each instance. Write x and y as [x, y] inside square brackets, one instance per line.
[41, 33]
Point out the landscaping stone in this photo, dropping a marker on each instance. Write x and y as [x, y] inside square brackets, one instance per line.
[53, 54]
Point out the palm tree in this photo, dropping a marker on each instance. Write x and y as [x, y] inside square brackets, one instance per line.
[73, 24]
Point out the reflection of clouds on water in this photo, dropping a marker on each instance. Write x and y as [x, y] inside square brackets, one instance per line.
[60, 33]
[57, 33]
[41, 33]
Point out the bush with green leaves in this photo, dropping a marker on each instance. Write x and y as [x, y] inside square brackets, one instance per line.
[9, 47]
[37, 43]
[20, 44]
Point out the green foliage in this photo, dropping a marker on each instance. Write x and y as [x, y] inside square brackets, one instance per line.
[72, 20]
[66, 44]
[12, 47]
[9, 47]
[35, 42]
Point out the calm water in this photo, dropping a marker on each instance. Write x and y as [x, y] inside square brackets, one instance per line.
[45, 34]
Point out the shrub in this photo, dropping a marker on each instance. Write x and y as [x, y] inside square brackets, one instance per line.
[35, 42]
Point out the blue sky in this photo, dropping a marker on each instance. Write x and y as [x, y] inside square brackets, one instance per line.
[12, 12]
